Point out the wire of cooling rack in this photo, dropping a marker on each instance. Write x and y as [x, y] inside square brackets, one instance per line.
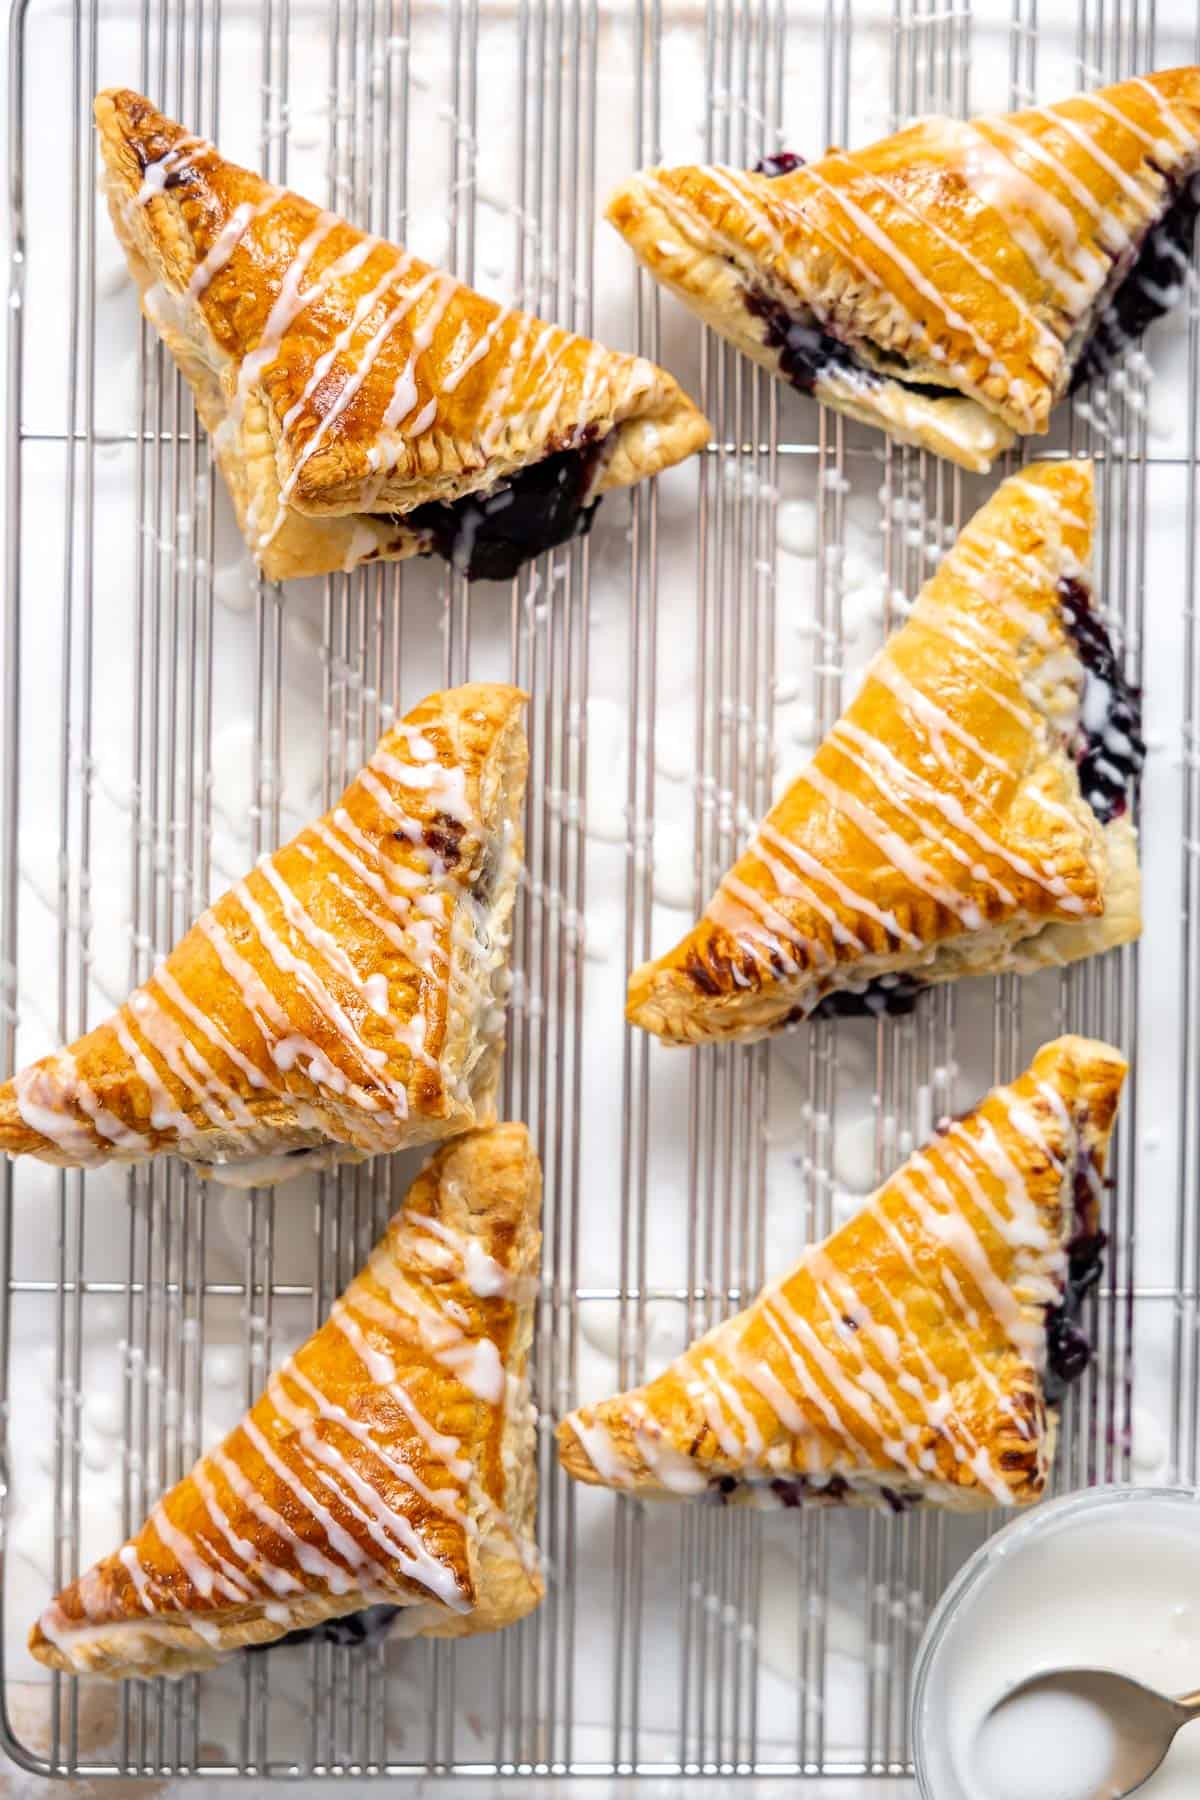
[586, 1684]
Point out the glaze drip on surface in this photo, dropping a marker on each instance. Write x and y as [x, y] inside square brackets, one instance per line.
[1110, 750]
[1151, 288]
[487, 537]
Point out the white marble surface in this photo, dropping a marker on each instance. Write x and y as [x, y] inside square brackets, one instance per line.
[809, 1583]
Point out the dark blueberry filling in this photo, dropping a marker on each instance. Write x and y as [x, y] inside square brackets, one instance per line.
[487, 537]
[1068, 1351]
[797, 1490]
[890, 995]
[806, 352]
[792, 1491]
[1110, 751]
[370, 1626]
[1150, 289]
[782, 163]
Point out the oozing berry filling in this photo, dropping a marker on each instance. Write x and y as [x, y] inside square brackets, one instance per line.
[806, 352]
[370, 1626]
[893, 995]
[487, 537]
[1151, 288]
[797, 1490]
[1068, 1351]
[1110, 750]
[782, 163]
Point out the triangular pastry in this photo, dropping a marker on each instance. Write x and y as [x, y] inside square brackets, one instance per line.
[916, 1355]
[950, 283]
[346, 998]
[966, 814]
[362, 404]
[389, 1462]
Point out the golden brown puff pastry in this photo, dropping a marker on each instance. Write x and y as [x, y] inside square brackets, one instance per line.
[361, 404]
[966, 814]
[916, 1355]
[346, 997]
[389, 1463]
[950, 283]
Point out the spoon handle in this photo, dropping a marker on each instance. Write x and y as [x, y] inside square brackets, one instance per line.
[1189, 1703]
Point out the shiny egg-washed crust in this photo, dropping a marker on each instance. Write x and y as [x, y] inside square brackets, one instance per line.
[345, 998]
[974, 256]
[897, 1368]
[312, 431]
[409, 1449]
[956, 753]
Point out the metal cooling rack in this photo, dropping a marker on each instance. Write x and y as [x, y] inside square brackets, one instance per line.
[643, 1660]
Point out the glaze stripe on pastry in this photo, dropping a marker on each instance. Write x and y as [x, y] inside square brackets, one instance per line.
[949, 283]
[388, 1464]
[362, 404]
[916, 1355]
[346, 997]
[967, 814]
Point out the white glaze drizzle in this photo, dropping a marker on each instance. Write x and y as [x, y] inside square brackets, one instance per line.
[227, 241]
[186, 150]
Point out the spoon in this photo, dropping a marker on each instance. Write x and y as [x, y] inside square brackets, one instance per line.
[1143, 1722]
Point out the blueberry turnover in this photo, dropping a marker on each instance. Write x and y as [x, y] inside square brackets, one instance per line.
[966, 815]
[952, 282]
[345, 998]
[363, 405]
[913, 1358]
[386, 1475]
